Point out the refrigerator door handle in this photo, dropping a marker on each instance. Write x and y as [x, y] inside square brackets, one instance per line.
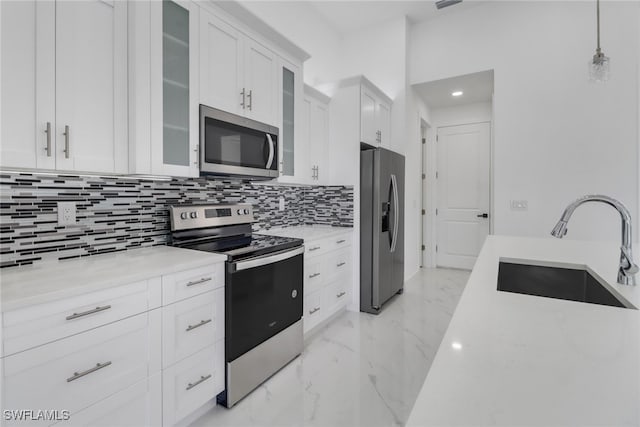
[394, 185]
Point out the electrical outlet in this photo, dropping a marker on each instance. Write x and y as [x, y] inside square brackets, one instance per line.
[519, 205]
[281, 204]
[66, 213]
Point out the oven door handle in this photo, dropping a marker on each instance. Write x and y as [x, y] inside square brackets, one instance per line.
[267, 259]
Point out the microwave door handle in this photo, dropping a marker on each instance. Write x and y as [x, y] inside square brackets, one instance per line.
[271, 151]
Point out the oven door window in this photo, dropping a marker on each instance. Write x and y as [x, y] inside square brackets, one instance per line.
[261, 302]
[233, 145]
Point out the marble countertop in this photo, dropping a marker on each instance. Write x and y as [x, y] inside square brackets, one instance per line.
[50, 281]
[307, 232]
[511, 359]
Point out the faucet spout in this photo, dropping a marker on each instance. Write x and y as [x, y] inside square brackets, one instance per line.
[627, 269]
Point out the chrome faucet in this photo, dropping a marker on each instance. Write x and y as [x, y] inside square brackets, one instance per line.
[627, 268]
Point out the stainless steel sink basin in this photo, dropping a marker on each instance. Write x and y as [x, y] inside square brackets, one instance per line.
[569, 282]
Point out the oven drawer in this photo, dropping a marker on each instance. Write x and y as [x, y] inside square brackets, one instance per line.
[191, 383]
[185, 284]
[78, 371]
[191, 325]
[43, 323]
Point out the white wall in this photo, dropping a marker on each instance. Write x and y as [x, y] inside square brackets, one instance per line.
[461, 114]
[556, 135]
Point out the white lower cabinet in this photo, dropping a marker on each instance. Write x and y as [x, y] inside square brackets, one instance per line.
[139, 405]
[192, 382]
[328, 279]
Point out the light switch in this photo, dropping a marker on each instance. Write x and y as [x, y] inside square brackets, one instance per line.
[66, 213]
[519, 205]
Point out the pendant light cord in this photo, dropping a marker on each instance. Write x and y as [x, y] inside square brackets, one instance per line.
[598, 22]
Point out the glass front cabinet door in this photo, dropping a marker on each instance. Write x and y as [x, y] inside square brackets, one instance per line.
[291, 148]
[174, 88]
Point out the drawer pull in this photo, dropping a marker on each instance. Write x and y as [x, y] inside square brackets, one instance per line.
[197, 282]
[341, 294]
[98, 366]
[88, 312]
[203, 322]
[340, 241]
[340, 264]
[200, 381]
[315, 248]
[314, 275]
[314, 310]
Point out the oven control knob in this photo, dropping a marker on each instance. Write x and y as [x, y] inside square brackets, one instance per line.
[294, 293]
[246, 211]
[193, 215]
[239, 211]
[183, 215]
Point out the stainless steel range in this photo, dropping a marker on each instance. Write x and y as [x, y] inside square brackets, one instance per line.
[263, 291]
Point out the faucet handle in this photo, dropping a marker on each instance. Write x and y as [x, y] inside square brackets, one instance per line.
[626, 262]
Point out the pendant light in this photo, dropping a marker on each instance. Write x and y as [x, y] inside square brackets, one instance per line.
[599, 65]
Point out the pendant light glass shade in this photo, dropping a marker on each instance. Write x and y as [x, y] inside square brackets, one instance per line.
[599, 70]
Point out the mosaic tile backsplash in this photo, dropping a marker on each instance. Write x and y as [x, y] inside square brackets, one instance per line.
[115, 214]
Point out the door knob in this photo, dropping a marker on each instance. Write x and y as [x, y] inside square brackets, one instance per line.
[483, 215]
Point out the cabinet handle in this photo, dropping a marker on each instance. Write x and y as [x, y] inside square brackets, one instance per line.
[341, 294]
[340, 241]
[315, 248]
[86, 313]
[314, 275]
[200, 381]
[48, 132]
[66, 141]
[77, 375]
[242, 103]
[340, 264]
[250, 96]
[314, 310]
[202, 322]
[197, 282]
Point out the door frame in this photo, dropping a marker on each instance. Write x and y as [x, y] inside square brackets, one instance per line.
[433, 187]
[427, 194]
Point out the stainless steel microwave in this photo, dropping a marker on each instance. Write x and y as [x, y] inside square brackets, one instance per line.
[231, 145]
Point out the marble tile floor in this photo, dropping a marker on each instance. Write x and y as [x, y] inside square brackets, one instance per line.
[359, 370]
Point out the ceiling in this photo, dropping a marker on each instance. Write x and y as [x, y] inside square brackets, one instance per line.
[346, 16]
[477, 87]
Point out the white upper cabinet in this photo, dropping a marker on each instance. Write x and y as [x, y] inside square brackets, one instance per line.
[316, 134]
[292, 144]
[375, 115]
[238, 74]
[64, 85]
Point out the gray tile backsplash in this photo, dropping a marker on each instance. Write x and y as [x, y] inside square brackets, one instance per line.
[115, 214]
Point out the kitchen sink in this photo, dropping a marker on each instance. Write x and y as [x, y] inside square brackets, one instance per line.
[573, 283]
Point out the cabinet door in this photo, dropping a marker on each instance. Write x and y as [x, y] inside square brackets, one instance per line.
[368, 126]
[383, 112]
[174, 94]
[290, 138]
[308, 172]
[221, 58]
[260, 83]
[91, 86]
[28, 61]
[319, 141]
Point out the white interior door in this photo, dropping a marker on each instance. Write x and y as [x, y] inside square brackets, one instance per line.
[463, 193]
[91, 86]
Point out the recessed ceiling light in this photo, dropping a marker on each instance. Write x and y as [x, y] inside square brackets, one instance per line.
[456, 345]
[456, 93]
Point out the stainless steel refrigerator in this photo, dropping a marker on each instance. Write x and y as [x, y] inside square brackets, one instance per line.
[381, 227]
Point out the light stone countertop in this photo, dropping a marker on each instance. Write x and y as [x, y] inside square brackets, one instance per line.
[307, 232]
[55, 280]
[511, 359]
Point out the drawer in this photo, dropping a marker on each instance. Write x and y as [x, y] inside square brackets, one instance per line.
[191, 383]
[339, 263]
[43, 323]
[336, 296]
[185, 284]
[340, 241]
[322, 246]
[191, 325]
[315, 274]
[76, 372]
[313, 312]
[137, 405]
